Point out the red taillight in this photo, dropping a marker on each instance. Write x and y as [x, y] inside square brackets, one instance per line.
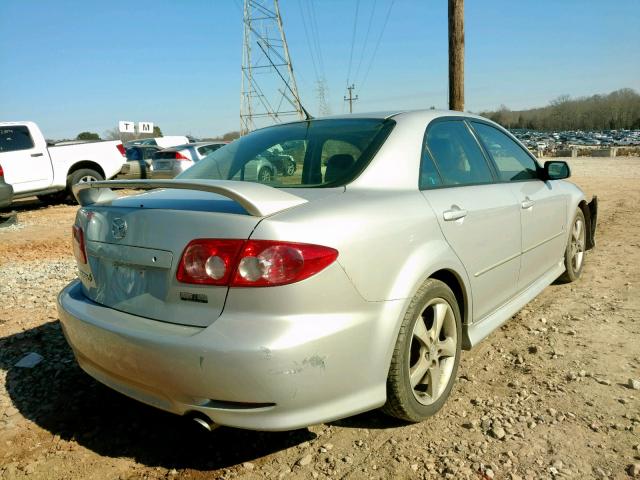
[209, 262]
[264, 263]
[1, 171]
[121, 149]
[79, 250]
[181, 157]
[251, 263]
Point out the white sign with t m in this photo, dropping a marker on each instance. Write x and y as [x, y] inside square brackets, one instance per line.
[145, 127]
[127, 127]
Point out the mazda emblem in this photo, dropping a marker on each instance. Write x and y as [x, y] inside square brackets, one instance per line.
[118, 228]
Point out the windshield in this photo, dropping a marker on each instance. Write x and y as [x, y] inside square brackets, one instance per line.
[315, 153]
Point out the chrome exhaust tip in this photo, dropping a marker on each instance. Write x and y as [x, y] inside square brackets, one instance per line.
[205, 422]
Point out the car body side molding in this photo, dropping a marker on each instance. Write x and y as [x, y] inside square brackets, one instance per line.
[479, 330]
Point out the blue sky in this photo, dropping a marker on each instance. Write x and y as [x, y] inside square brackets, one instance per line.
[84, 65]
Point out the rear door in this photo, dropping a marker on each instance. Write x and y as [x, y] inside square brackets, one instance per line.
[479, 218]
[543, 208]
[24, 158]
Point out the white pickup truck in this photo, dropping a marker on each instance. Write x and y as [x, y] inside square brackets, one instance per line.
[33, 167]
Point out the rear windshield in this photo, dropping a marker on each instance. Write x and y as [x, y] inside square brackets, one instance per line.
[315, 153]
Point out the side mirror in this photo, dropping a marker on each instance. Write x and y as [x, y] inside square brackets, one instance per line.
[556, 170]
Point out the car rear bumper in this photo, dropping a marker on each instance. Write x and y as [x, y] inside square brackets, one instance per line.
[6, 195]
[243, 370]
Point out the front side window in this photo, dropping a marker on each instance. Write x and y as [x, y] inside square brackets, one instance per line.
[315, 153]
[512, 161]
[15, 138]
[457, 155]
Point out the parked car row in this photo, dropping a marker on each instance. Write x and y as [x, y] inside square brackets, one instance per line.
[536, 140]
[150, 161]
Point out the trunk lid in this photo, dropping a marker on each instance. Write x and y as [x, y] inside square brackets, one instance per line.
[134, 245]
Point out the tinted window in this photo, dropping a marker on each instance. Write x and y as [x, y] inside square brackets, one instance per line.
[429, 176]
[292, 153]
[15, 138]
[206, 149]
[512, 161]
[457, 154]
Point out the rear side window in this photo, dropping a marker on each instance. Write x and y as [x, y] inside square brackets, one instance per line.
[15, 138]
[315, 153]
[457, 155]
[512, 161]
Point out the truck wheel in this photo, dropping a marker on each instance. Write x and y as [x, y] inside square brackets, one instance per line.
[54, 198]
[83, 175]
[426, 356]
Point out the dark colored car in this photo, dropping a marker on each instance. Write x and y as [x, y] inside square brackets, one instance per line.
[138, 161]
[6, 191]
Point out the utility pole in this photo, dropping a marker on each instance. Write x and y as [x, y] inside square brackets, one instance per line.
[456, 55]
[351, 98]
[266, 96]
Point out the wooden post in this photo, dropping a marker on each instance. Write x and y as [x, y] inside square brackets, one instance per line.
[456, 55]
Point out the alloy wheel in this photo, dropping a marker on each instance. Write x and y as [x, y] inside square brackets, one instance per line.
[577, 244]
[433, 351]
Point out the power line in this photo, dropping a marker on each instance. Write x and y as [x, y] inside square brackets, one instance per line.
[353, 40]
[366, 38]
[316, 34]
[375, 51]
[309, 44]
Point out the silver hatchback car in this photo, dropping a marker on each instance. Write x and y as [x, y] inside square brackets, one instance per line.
[352, 284]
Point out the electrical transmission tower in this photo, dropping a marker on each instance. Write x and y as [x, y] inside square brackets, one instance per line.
[269, 93]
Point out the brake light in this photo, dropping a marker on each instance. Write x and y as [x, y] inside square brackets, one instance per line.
[251, 263]
[181, 157]
[209, 262]
[266, 263]
[79, 250]
[1, 171]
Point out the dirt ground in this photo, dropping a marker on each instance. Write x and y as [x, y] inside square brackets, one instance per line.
[546, 396]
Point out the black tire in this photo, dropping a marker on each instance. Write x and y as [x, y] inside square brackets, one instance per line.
[402, 397]
[83, 175]
[55, 198]
[290, 168]
[575, 249]
[265, 175]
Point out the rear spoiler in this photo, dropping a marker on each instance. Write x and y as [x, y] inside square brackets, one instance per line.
[257, 199]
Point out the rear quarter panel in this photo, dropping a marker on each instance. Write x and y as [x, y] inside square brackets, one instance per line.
[389, 242]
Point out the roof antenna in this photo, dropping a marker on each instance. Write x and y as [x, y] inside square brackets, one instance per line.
[306, 114]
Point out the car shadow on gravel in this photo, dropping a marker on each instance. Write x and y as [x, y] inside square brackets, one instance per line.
[59, 397]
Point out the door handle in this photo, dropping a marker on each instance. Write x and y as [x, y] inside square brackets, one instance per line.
[36, 154]
[455, 213]
[527, 203]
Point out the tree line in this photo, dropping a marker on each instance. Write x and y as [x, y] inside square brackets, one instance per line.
[617, 110]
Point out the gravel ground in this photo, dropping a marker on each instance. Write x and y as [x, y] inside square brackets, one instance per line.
[553, 394]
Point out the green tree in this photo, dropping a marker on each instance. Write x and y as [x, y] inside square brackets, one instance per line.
[88, 136]
[156, 131]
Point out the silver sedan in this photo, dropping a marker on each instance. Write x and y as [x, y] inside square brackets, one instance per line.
[353, 284]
